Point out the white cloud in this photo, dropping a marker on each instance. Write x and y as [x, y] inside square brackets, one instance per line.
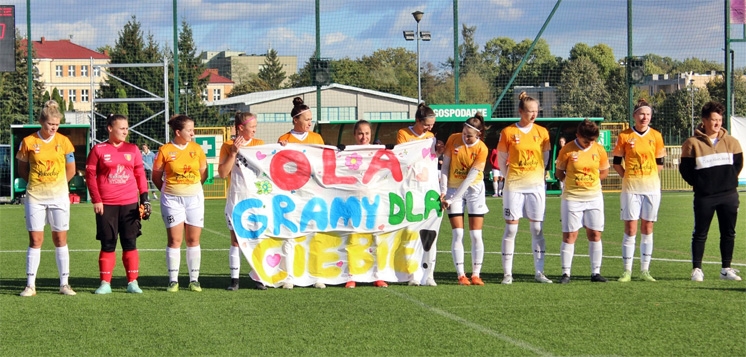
[333, 38]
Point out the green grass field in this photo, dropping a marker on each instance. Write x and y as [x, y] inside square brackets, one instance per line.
[673, 316]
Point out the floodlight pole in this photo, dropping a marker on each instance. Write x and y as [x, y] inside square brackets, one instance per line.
[417, 17]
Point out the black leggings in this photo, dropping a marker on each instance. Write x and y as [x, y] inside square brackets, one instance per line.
[118, 221]
[726, 207]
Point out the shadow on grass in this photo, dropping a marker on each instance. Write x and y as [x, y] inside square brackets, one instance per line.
[88, 285]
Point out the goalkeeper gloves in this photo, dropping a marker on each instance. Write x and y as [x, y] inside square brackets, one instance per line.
[145, 208]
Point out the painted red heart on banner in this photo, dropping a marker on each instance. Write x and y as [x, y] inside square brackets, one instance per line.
[273, 260]
[425, 152]
[380, 228]
[339, 263]
[260, 156]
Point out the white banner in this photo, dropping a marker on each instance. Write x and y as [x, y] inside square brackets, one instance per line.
[307, 213]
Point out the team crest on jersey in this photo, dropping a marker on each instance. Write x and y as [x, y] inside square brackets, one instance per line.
[172, 155]
[192, 154]
[107, 157]
[574, 156]
[128, 157]
[37, 148]
[536, 138]
[595, 157]
[517, 139]
[57, 148]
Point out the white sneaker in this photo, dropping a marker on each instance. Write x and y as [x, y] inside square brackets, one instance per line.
[507, 279]
[413, 283]
[430, 282]
[28, 291]
[729, 274]
[496, 195]
[539, 277]
[67, 290]
[319, 285]
[698, 275]
[288, 286]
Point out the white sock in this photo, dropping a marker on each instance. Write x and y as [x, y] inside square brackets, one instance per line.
[33, 257]
[500, 185]
[62, 256]
[457, 250]
[508, 247]
[173, 261]
[234, 262]
[538, 243]
[646, 251]
[429, 260]
[494, 186]
[596, 251]
[567, 252]
[477, 252]
[628, 251]
[194, 258]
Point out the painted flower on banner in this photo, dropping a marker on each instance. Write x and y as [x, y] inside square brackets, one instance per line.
[263, 187]
[354, 161]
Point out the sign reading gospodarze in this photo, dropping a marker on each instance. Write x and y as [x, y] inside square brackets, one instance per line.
[454, 112]
[307, 214]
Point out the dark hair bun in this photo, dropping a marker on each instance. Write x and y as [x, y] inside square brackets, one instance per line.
[297, 101]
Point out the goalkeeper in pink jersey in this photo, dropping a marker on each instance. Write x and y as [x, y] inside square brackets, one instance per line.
[119, 193]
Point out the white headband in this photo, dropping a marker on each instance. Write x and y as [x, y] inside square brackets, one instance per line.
[644, 106]
[467, 124]
[301, 112]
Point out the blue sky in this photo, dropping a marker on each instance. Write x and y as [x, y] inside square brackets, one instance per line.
[353, 28]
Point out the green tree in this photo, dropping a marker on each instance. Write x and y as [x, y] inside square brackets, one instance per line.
[673, 117]
[581, 92]
[716, 88]
[272, 73]
[133, 47]
[602, 55]
[14, 94]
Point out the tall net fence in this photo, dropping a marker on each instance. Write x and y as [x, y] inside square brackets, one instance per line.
[257, 55]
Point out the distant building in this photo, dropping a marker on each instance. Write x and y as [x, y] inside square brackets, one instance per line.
[237, 66]
[340, 103]
[218, 87]
[66, 66]
[668, 84]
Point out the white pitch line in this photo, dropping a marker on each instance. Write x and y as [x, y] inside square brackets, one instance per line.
[473, 325]
[439, 252]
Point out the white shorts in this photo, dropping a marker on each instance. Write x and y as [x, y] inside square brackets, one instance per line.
[579, 214]
[473, 199]
[524, 204]
[56, 213]
[178, 209]
[495, 174]
[636, 206]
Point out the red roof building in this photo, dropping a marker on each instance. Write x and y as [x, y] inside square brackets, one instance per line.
[217, 87]
[68, 67]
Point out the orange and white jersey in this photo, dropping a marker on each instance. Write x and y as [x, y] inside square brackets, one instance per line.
[406, 135]
[225, 151]
[582, 168]
[310, 138]
[182, 168]
[464, 158]
[47, 160]
[525, 167]
[639, 152]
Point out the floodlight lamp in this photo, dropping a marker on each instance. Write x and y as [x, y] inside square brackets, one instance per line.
[425, 35]
[418, 15]
[409, 35]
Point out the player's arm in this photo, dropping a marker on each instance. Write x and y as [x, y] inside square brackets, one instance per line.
[69, 166]
[23, 169]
